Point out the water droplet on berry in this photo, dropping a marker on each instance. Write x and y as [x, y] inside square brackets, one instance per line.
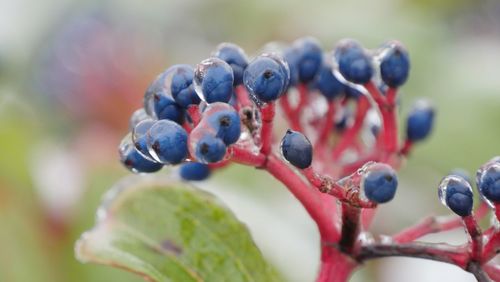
[138, 116]
[445, 184]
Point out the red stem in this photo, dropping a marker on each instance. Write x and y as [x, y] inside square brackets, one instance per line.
[434, 225]
[267, 112]
[290, 114]
[242, 97]
[326, 130]
[406, 149]
[335, 267]
[475, 236]
[309, 197]
[351, 133]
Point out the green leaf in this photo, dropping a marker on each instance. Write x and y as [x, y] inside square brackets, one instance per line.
[166, 230]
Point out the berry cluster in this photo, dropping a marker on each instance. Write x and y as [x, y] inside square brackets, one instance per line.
[342, 146]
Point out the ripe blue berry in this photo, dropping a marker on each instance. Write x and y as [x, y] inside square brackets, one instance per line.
[209, 149]
[353, 62]
[297, 149]
[167, 142]
[194, 171]
[456, 193]
[225, 120]
[133, 160]
[310, 58]
[158, 100]
[182, 87]
[266, 78]
[379, 183]
[235, 57]
[420, 120]
[327, 83]
[213, 80]
[489, 182]
[394, 64]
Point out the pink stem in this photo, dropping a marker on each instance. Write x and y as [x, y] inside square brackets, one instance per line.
[267, 112]
[475, 236]
[335, 266]
[326, 130]
[351, 133]
[434, 225]
[290, 114]
[309, 197]
[406, 149]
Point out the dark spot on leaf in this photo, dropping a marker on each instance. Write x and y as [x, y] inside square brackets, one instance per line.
[169, 246]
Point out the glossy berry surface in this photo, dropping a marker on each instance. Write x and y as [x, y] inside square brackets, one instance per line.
[182, 87]
[310, 57]
[134, 161]
[420, 121]
[489, 182]
[327, 83]
[213, 80]
[167, 142]
[353, 62]
[140, 138]
[461, 173]
[379, 183]
[158, 100]
[266, 78]
[235, 57]
[210, 149]
[456, 193]
[394, 65]
[297, 149]
[194, 171]
[226, 123]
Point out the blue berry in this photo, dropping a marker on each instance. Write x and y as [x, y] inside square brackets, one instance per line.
[310, 58]
[489, 182]
[158, 100]
[136, 117]
[133, 160]
[182, 87]
[353, 62]
[379, 183]
[291, 55]
[327, 83]
[235, 57]
[209, 149]
[395, 64]
[225, 121]
[266, 78]
[213, 80]
[456, 193]
[420, 120]
[194, 171]
[297, 149]
[167, 142]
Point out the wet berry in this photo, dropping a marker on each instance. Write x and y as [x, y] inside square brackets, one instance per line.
[235, 57]
[133, 160]
[394, 64]
[182, 87]
[489, 182]
[379, 183]
[167, 142]
[213, 80]
[209, 149]
[327, 83]
[310, 57]
[297, 149]
[225, 120]
[456, 193]
[353, 62]
[266, 78]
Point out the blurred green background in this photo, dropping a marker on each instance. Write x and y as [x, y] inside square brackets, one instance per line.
[72, 73]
